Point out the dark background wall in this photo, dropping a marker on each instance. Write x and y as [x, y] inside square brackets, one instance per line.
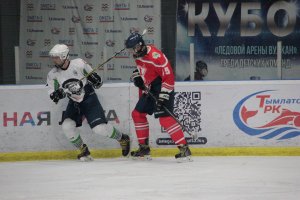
[9, 37]
[168, 27]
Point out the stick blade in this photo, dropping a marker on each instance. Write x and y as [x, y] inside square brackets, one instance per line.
[144, 32]
[194, 136]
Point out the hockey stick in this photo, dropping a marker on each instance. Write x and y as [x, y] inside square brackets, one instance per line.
[100, 65]
[117, 53]
[194, 135]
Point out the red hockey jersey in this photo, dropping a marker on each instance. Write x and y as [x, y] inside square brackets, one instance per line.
[155, 64]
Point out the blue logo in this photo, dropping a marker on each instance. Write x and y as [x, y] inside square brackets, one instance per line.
[267, 115]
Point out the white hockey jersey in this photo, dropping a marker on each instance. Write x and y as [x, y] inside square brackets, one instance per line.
[59, 78]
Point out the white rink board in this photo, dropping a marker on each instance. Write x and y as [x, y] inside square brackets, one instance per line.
[216, 104]
[218, 101]
[45, 137]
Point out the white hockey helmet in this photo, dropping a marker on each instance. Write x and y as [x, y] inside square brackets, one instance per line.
[60, 50]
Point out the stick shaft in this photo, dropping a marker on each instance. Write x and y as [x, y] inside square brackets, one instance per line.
[170, 113]
[96, 68]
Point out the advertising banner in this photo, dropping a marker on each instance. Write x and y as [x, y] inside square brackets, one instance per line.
[93, 30]
[233, 114]
[222, 114]
[237, 40]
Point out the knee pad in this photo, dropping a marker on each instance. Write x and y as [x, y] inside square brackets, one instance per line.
[103, 129]
[69, 128]
[138, 117]
[166, 121]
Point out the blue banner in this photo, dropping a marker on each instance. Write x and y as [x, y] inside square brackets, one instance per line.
[237, 40]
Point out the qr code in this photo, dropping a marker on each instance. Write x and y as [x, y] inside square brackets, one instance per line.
[187, 109]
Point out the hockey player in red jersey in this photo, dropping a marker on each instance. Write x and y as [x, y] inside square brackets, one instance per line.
[155, 73]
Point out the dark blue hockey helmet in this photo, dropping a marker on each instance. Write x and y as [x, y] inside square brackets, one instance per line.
[133, 40]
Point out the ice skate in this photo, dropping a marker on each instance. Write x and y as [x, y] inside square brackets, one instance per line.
[125, 144]
[184, 155]
[85, 154]
[143, 153]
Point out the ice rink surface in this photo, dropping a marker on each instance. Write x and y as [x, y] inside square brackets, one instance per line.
[207, 178]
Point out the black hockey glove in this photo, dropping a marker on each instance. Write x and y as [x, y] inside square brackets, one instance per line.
[137, 79]
[75, 87]
[95, 80]
[57, 95]
[162, 98]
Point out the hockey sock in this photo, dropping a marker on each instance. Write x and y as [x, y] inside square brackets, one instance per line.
[173, 129]
[141, 126]
[142, 132]
[69, 128]
[77, 142]
[108, 130]
[116, 134]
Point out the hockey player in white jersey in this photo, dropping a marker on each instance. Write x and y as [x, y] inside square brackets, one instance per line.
[64, 81]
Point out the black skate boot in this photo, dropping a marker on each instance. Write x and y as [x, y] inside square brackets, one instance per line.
[85, 154]
[185, 153]
[125, 144]
[143, 152]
